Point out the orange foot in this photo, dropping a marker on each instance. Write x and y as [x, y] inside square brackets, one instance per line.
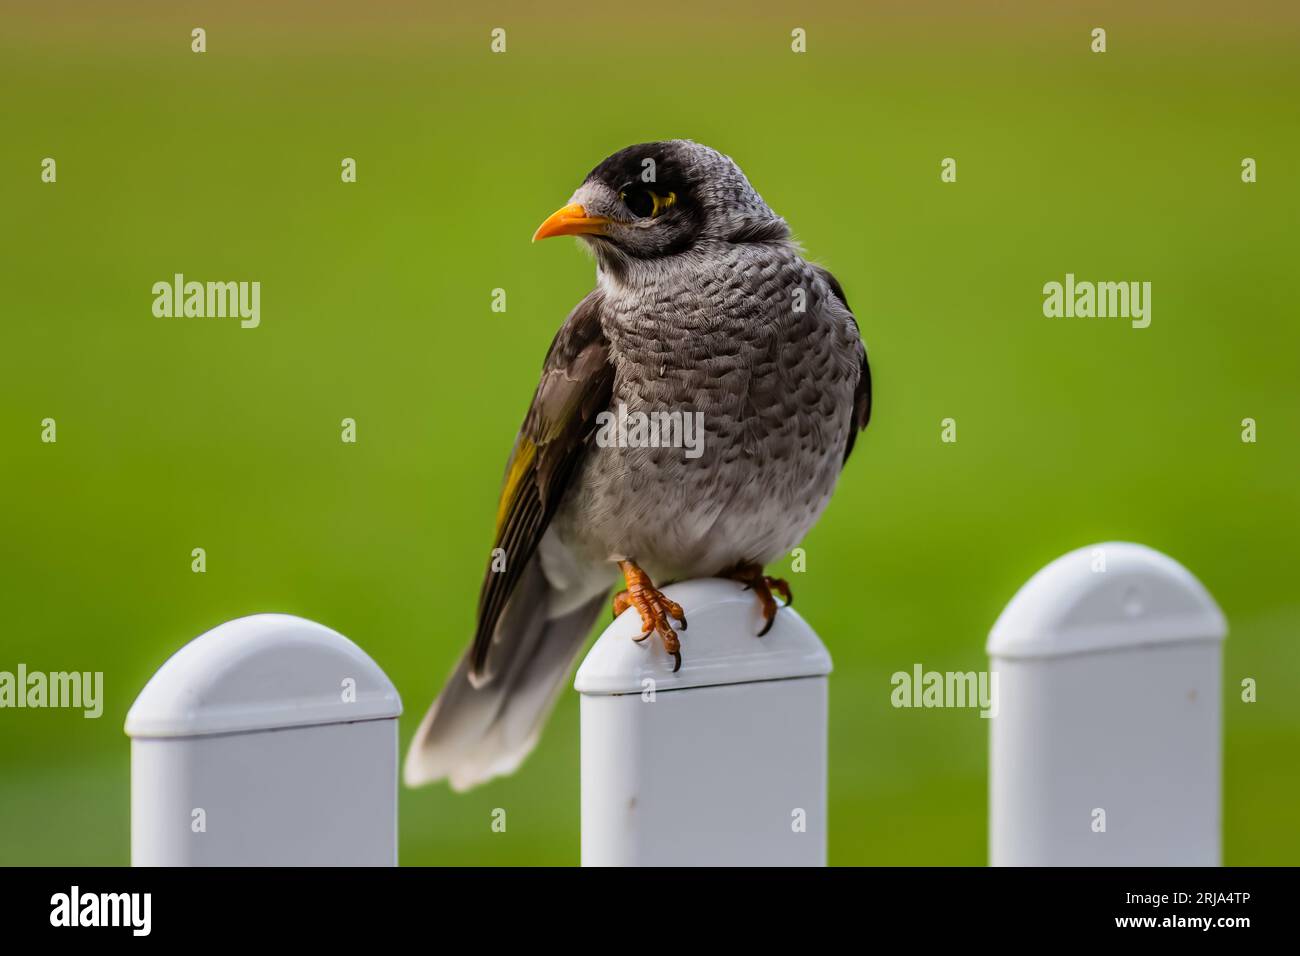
[752, 576]
[656, 610]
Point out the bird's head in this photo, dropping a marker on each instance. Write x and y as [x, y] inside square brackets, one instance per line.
[661, 199]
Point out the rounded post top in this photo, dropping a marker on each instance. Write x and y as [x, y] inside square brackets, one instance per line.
[263, 672]
[719, 646]
[1108, 596]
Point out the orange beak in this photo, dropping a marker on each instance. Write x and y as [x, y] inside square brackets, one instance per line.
[572, 220]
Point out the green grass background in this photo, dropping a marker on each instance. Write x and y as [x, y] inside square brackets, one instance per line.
[183, 433]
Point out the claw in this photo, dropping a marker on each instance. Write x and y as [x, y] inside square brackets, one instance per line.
[676, 611]
[752, 576]
[657, 612]
[783, 589]
[621, 603]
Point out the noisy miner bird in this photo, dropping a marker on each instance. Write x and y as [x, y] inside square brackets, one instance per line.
[703, 304]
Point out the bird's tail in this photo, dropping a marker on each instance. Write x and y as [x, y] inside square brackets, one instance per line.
[472, 734]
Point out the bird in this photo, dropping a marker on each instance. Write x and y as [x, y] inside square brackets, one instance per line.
[704, 306]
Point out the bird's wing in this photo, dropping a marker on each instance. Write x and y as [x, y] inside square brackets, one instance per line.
[861, 403]
[861, 413]
[577, 380]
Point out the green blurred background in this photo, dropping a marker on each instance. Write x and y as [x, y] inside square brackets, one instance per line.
[183, 433]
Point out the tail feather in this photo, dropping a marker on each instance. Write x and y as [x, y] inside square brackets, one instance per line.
[472, 734]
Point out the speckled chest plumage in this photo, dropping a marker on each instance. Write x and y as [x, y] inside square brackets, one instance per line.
[752, 337]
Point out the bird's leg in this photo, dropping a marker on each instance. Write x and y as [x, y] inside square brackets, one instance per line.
[752, 576]
[656, 610]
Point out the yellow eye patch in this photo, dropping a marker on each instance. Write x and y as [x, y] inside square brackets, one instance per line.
[662, 202]
[645, 202]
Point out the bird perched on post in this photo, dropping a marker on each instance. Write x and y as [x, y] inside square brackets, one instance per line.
[703, 307]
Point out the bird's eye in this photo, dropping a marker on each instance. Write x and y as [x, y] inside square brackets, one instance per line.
[640, 202]
[644, 203]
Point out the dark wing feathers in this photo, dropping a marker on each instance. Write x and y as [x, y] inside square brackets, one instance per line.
[861, 405]
[577, 380]
[861, 414]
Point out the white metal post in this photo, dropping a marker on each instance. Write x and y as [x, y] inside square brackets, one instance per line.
[1105, 749]
[722, 763]
[268, 741]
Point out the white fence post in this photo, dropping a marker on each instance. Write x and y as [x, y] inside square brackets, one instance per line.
[722, 763]
[268, 741]
[1105, 750]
